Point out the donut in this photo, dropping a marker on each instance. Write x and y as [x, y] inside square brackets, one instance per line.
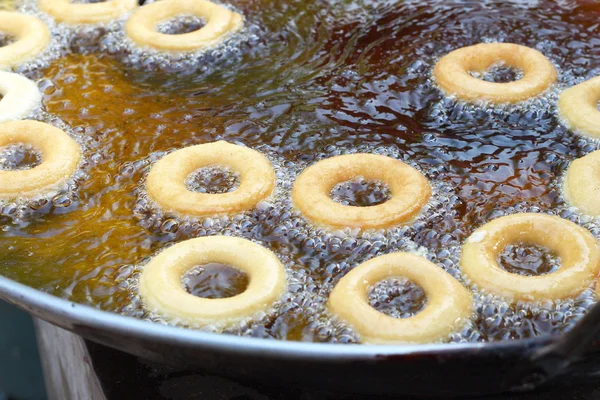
[410, 191]
[581, 185]
[448, 306]
[19, 96]
[60, 156]
[220, 24]
[7, 5]
[86, 13]
[452, 73]
[578, 106]
[162, 291]
[578, 249]
[31, 38]
[167, 188]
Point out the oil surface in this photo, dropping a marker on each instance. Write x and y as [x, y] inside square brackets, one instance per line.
[307, 80]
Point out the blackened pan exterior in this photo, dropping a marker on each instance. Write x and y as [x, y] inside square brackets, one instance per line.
[424, 370]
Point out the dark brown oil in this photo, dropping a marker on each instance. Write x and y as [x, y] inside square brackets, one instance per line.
[397, 297]
[360, 192]
[213, 180]
[215, 281]
[320, 78]
[18, 157]
[529, 260]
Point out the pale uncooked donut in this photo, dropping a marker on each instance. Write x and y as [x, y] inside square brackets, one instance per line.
[162, 291]
[20, 96]
[31, 38]
[61, 157]
[578, 249]
[166, 180]
[86, 13]
[410, 191]
[452, 73]
[578, 105]
[581, 185]
[449, 304]
[220, 24]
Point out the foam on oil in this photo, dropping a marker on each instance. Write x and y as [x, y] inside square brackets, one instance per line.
[203, 61]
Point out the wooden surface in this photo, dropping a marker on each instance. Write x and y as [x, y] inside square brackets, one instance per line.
[68, 372]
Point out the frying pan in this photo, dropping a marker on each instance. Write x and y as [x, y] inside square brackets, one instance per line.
[415, 370]
[423, 370]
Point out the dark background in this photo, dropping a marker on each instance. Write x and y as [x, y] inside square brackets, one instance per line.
[20, 370]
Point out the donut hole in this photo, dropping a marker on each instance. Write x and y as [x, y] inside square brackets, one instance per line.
[499, 73]
[19, 156]
[180, 24]
[215, 281]
[361, 192]
[397, 297]
[6, 39]
[528, 259]
[213, 179]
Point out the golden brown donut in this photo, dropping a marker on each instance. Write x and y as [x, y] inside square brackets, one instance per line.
[19, 96]
[31, 38]
[581, 186]
[578, 106]
[578, 249]
[452, 73]
[86, 13]
[449, 304]
[409, 189]
[166, 180]
[162, 291]
[220, 24]
[61, 156]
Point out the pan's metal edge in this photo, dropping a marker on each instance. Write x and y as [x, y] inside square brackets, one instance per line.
[43, 305]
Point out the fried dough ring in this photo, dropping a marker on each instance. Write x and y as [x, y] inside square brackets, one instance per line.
[88, 13]
[31, 38]
[581, 185]
[7, 5]
[410, 191]
[166, 180]
[162, 291]
[220, 24]
[19, 96]
[449, 304]
[578, 249]
[61, 156]
[578, 105]
[452, 73]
